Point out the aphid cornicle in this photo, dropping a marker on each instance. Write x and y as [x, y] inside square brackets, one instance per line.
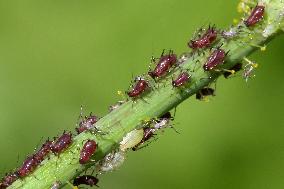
[28, 167]
[8, 180]
[164, 65]
[86, 180]
[235, 68]
[255, 16]
[139, 88]
[87, 151]
[204, 40]
[206, 91]
[61, 143]
[216, 58]
[181, 80]
[87, 123]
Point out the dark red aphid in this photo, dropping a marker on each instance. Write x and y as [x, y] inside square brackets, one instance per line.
[87, 123]
[215, 59]
[204, 92]
[204, 40]
[181, 80]
[235, 68]
[255, 16]
[61, 143]
[87, 151]
[139, 88]
[8, 180]
[86, 180]
[148, 134]
[164, 65]
[28, 167]
[43, 151]
[166, 115]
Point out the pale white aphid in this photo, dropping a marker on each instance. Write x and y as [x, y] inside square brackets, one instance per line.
[131, 139]
[111, 162]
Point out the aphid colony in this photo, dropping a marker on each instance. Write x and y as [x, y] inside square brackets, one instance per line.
[139, 137]
[57, 146]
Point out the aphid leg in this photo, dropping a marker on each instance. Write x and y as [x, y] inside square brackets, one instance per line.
[163, 52]
[142, 145]
[172, 127]
[173, 117]
[144, 100]
[195, 64]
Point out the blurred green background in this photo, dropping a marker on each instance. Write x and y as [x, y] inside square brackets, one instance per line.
[57, 55]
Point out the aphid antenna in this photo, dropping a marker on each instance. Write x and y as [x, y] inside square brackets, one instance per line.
[163, 52]
[219, 46]
[38, 144]
[172, 127]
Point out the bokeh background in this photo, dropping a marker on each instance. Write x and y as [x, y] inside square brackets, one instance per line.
[58, 55]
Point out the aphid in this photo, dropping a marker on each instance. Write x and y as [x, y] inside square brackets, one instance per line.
[115, 106]
[87, 151]
[56, 185]
[166, 115]
[148, 134]
[86, 180]
[61, 143]
[181, 80]
[8, 180]
[255, 16]
[43, 151]
[112, 161]
[215, 59]
[131, 139]
[164, 65]
[204, 40]
[249, 69]
[163, 121]
[231, 33]
[204, 92]
[139, 88]
[28, 167]
[87, 123]
[237, 67]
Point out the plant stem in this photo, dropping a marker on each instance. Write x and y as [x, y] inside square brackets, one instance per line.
[158, 101]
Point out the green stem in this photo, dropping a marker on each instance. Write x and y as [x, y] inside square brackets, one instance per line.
[131, 114]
